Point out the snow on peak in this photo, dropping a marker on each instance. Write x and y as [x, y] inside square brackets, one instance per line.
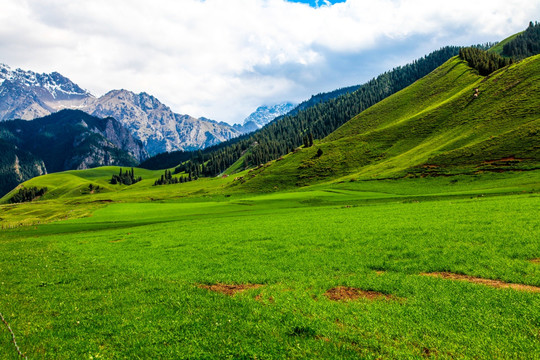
[264, 114]
[54, 83]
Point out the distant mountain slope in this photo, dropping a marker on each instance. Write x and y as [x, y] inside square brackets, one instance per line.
[288, 132]
[264, 114]
[156, 125]
[434, 127]
[16, 166]
[323, 97]
[28, 95]
[65, 140]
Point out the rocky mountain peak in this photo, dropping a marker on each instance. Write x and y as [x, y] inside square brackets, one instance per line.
[54, 84]
[266, 113]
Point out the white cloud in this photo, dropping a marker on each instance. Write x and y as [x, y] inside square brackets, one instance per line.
[223, 58]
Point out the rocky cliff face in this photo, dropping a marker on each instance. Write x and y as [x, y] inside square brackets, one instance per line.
[28, 95]
[72, 139]
[16, 166]
[156, 125]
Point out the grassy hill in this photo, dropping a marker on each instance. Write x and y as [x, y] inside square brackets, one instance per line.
[413, 235]
[434, 127]
[498, 48]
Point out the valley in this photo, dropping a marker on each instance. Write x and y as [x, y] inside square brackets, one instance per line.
[396, 219]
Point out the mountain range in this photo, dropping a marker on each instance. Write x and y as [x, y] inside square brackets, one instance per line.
[157, 127]
[28, 95]
[119, 128]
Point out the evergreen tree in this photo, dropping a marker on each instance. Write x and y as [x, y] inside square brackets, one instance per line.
[27, 194]
[483, 61]
[127, 178]
[525, 44]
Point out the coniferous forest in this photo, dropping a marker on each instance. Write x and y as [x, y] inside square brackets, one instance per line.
[483, 61]
[525, 44]
[167, 179]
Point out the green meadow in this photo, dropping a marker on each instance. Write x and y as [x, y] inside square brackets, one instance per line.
[125, 277]
[412, 231]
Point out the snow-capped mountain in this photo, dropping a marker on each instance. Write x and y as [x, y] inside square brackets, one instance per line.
[52, 86]
[28, 95]
[264, 114]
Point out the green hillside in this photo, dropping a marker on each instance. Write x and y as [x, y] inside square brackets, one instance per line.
[285, 133]
[498, 48]
[410, 232]
[434, 127]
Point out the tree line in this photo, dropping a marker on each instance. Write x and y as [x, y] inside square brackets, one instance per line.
[27, 194]
[483, 61]
[126, 178]
[525, 44]
[167, 178]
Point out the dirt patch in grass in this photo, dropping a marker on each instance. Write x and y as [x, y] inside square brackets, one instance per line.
[263, 300]
[536, 261]
[487, 282]
[229, 289]
[510, 158]
[344, 293]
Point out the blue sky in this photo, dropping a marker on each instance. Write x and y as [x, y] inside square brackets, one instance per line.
[317, 3]
[222, 59]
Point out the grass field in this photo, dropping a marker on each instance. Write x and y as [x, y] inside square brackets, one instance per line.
[129, 281]
[415, 234]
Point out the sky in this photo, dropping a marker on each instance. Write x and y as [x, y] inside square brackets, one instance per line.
[221, 59]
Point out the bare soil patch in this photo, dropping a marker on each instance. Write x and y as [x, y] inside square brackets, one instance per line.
[505, 159]
[230, 289]
[344, 293]
[536, 261]
[487, 282]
